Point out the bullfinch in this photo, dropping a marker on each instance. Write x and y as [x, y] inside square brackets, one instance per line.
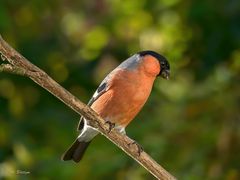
[120, 97]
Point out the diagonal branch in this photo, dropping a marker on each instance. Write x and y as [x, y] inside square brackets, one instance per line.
[19, 65]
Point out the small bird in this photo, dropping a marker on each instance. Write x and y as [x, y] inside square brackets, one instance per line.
[120, 97]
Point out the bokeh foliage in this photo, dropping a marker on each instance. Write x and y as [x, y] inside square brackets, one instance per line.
[190, 125]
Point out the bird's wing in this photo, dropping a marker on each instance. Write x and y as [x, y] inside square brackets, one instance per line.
[102, 88]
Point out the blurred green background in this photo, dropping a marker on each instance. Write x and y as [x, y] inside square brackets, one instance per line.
[190, 124]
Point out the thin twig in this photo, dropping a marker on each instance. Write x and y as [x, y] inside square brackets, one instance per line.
[14, 70]
[21, 66]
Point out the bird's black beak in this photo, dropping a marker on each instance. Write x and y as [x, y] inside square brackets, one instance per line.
[165, 74]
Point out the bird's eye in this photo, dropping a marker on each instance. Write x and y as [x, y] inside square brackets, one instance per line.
[163, 65]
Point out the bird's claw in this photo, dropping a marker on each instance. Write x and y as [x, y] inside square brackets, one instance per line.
[98, 123]
[111, 126]
[139, 148]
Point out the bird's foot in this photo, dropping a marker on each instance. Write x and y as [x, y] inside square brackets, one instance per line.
[111, 126]
[97, 123]
[139, 148]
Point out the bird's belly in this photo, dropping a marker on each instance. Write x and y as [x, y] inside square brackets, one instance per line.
[121, 106]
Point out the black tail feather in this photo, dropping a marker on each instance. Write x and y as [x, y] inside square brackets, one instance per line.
[76, 151]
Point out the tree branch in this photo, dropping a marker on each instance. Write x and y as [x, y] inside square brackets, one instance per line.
[15, 63]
